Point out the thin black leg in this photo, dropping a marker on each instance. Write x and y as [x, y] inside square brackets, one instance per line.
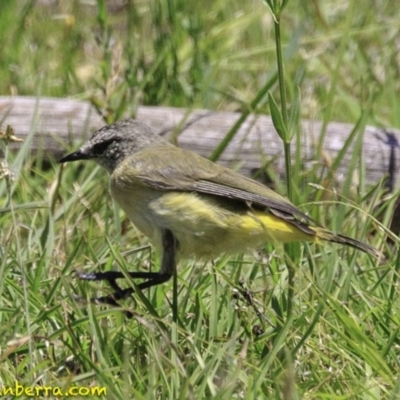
[168, 267]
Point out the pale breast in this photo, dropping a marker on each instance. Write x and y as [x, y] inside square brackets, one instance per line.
[135, 200]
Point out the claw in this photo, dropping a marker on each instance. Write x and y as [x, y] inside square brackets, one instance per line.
[86, 276]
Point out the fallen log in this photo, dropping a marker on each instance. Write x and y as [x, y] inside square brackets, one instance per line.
[54, 126]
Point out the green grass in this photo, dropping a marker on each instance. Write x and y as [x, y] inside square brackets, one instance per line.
[340, 340]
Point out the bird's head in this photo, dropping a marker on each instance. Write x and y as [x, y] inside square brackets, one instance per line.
[113, 143]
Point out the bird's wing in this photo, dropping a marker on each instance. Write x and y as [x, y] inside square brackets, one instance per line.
[172, 168]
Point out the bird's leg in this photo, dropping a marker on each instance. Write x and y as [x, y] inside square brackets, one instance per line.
[168, 266]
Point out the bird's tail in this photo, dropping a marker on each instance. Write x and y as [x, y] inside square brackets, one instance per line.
[325, 234]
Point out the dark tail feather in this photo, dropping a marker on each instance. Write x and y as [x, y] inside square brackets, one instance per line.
[324, 234]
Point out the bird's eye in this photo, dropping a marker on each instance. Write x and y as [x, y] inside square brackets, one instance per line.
[100, 148]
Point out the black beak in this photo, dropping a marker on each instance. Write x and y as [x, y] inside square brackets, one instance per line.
[75, 156]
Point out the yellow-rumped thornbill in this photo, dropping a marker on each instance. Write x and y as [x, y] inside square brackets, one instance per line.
[188, 205]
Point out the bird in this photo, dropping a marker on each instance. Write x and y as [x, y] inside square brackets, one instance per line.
[188, 205]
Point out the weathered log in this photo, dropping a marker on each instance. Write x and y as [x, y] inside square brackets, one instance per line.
[57, 125]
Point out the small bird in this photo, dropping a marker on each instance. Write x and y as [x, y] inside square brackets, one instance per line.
[188, 205]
